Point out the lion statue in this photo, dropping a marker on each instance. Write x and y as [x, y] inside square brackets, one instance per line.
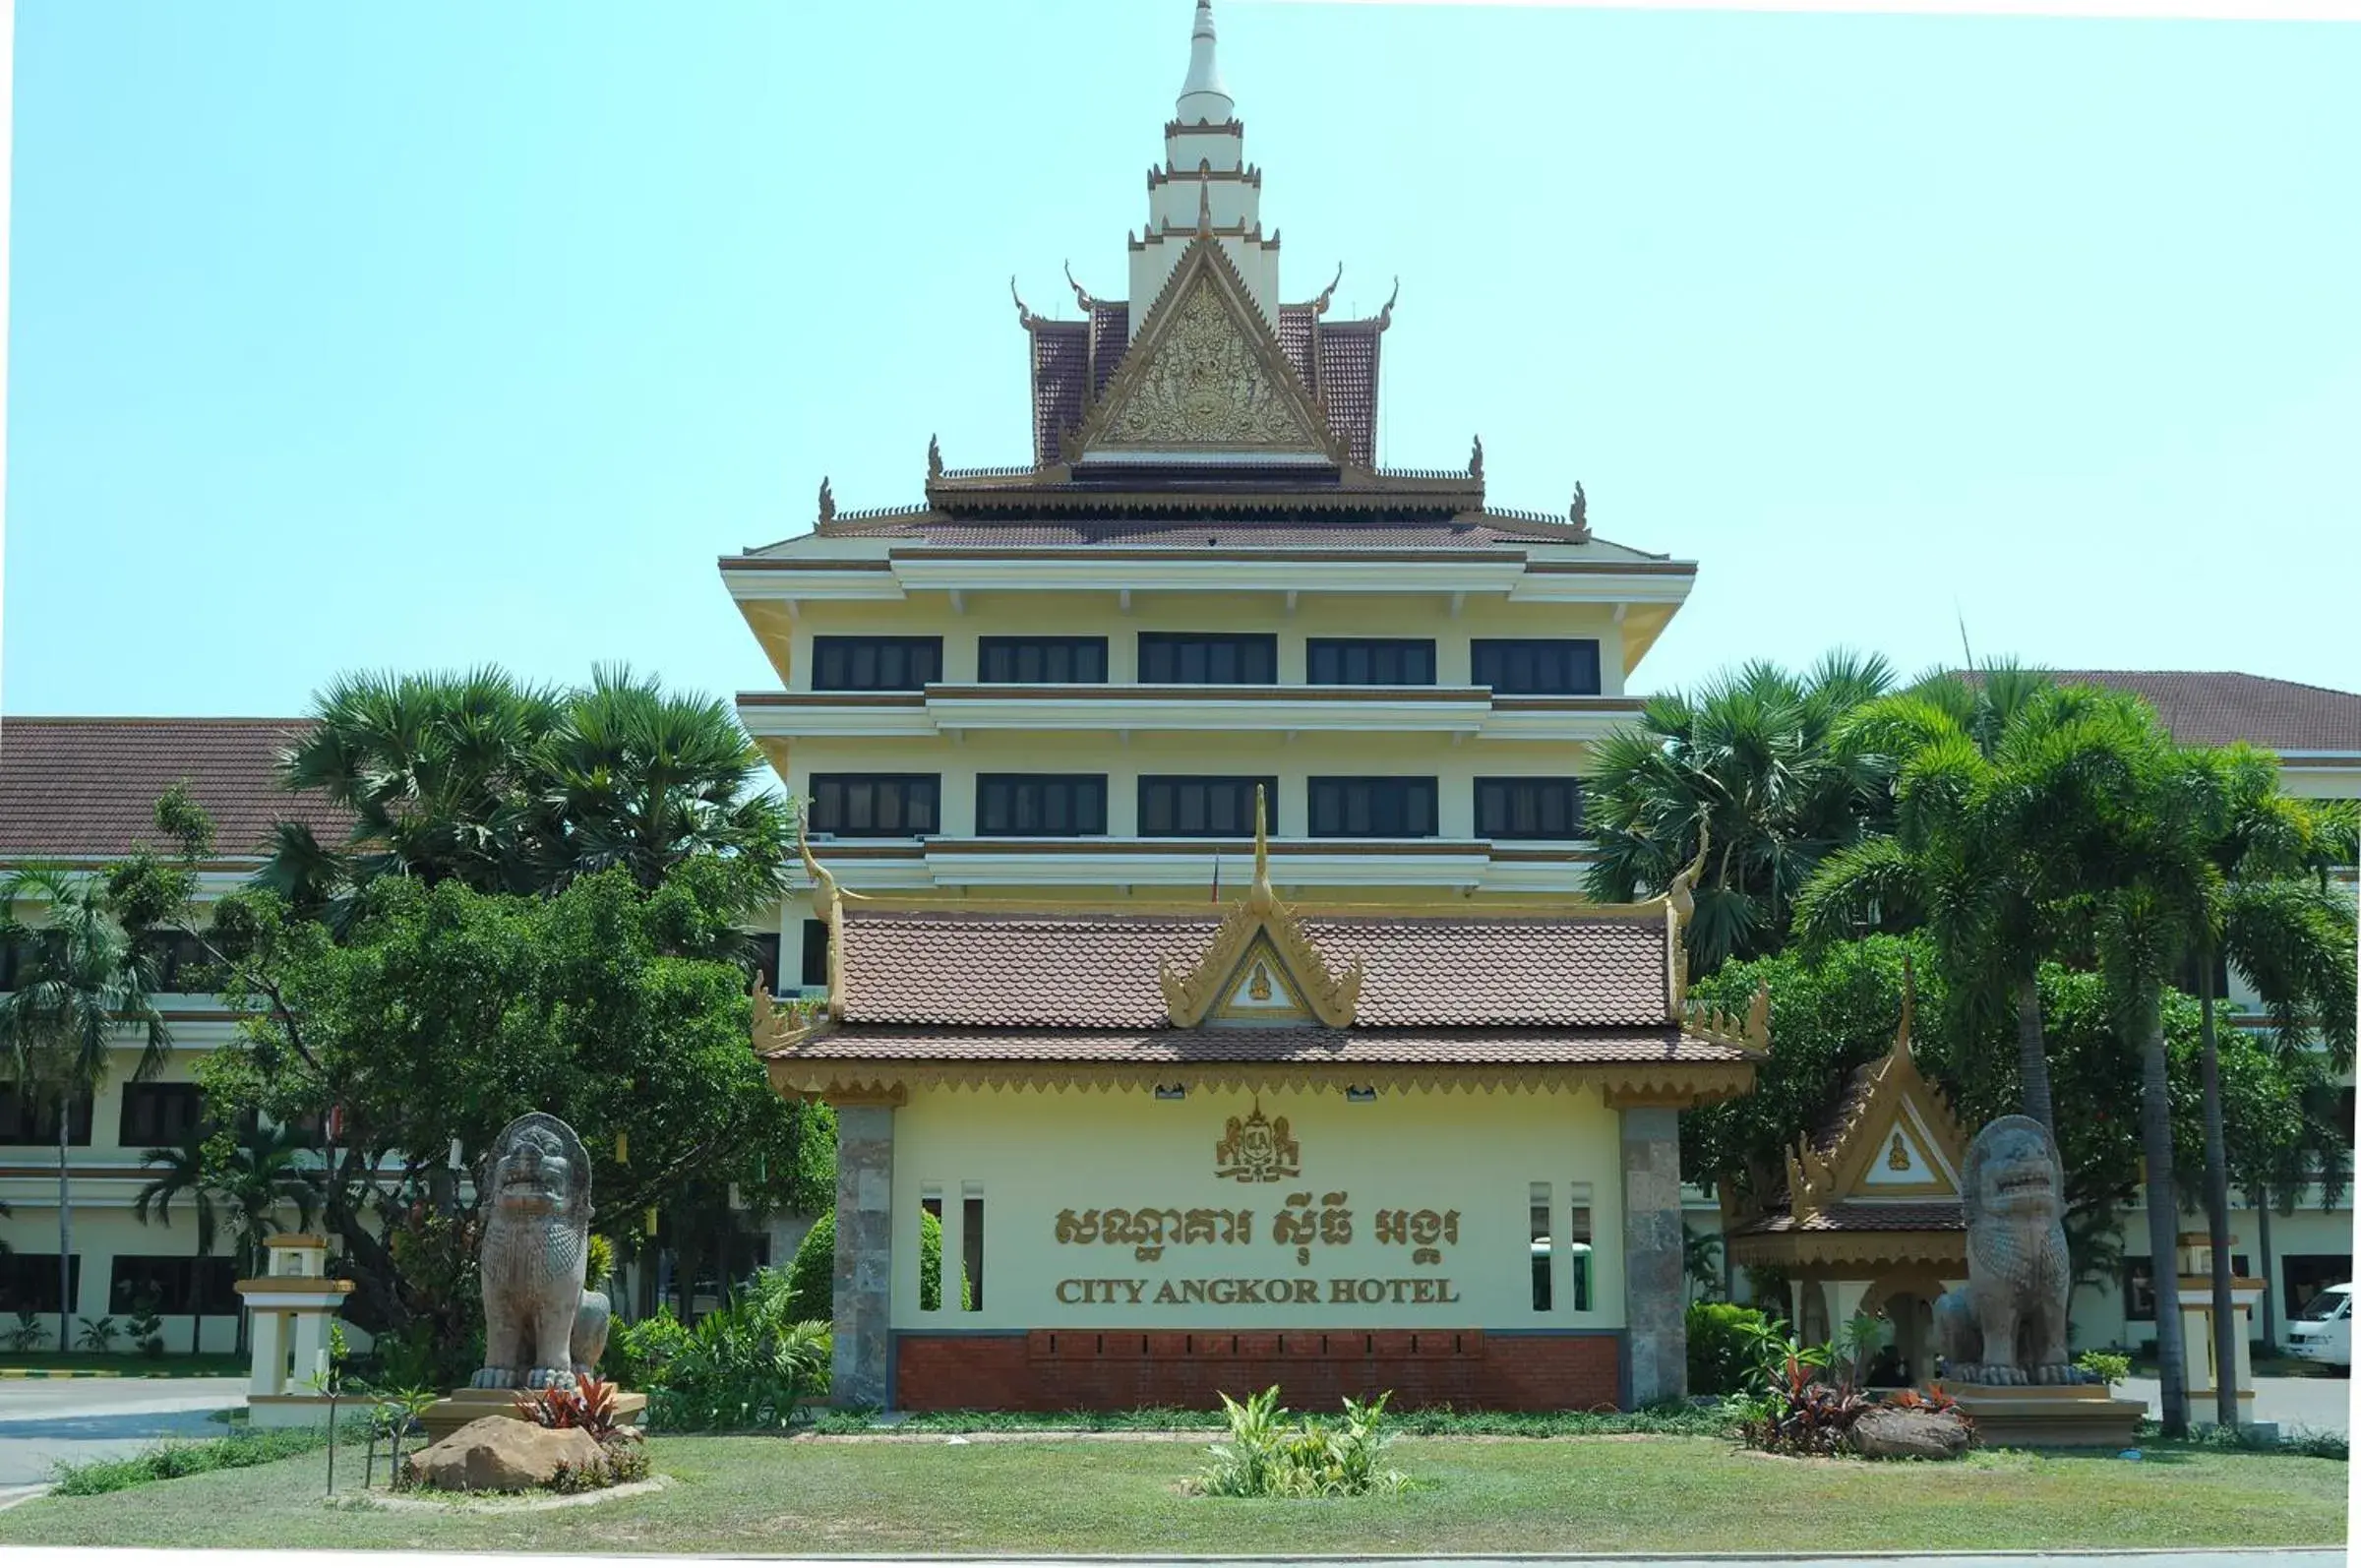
[2007, 1325]
[541, 1328]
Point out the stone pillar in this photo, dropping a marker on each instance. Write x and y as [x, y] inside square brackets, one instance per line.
[863, 1254]
[311, 1345]
[1655, 1294]
[267, 1337]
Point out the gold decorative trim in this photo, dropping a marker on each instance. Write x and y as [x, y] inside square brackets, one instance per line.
[1819, 1177]
[1751, 1035]
[1681, 1085]
[1260, 920]
[1869, 1249]
[1680, 904]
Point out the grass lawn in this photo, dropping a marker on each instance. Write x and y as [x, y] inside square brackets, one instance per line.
[1029, 1496]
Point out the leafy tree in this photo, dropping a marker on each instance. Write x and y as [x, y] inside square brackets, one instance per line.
[508, 788]
[82, 984]
[811, 1277]
[1758, 760]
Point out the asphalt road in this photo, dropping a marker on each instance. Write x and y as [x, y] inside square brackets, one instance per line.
[2321, 1404]
[46, 1420]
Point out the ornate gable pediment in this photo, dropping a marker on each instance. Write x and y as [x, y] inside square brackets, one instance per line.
[1262, 968]
[1206, 373]
[1899, 1140]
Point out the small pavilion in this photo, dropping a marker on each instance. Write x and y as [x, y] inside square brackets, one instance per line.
[1869, 1219]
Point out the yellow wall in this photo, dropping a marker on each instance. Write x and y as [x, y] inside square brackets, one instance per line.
[1032, 1154]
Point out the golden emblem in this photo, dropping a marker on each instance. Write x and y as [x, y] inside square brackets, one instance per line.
[1898, 1158]
[1254, 1149]
[1259, 987]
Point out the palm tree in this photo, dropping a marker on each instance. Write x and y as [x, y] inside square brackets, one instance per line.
[82, 982]
[1997, 789]
[2292, 940]
[264, 1174]
[1756, 761]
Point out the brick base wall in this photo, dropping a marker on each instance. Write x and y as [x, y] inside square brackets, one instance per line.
[1061, 1370]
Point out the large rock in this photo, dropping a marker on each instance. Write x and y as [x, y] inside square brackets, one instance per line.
[498, 1454]
[1888, 1433]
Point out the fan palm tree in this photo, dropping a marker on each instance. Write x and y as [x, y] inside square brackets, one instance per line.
[81, 986]
[1755, 761]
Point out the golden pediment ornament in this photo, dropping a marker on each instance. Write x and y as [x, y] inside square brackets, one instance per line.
[1262, 931]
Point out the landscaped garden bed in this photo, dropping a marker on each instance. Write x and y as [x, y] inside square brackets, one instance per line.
[1080, 1494]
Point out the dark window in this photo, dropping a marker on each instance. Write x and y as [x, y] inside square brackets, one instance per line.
[816, 952]
[2139, 1292]
[1183, 805]
[1059, 805]
[32, 1120]
[876, 805]
[178, 1286]
[181, 961]
[1208, 658]
[1370, 661]
[160, 1116]
[1372, 808]
[875, 664]
[1528, 808]
[971, 1242]
[1552, 666]
[28, 1282]
[1042, 661]
[767, 960]
[17, 957]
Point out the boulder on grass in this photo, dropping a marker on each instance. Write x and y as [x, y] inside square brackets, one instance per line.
[500, 1454]
[1889, 1433]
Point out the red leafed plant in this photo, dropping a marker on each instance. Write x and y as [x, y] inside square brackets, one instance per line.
[589, 1406]
[1932, 1399]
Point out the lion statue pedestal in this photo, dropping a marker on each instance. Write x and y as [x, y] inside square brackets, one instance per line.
[541, 1328]
[2002, 1335]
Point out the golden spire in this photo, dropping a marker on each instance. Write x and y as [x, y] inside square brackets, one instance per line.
[1259, 896]
[1909, 1006]
[824, 884]
[1681, 894]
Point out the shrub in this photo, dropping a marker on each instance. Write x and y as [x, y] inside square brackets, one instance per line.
[29, 1334]
[1721, 1346]
[811, 1277]
[147, 1326]
[1790, 1407]
[589, 1406]
[746, 1365]
[2107, 1367]
[1266, 1456]
[638, 1353]
[98, 1335]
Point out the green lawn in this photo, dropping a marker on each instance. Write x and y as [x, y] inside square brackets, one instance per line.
[1101, 1495]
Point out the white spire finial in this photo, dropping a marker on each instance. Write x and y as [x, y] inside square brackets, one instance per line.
[1202, 96]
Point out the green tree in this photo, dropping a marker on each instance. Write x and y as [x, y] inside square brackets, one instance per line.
[508, 788]
[81, 985]
[251, 1175]
[1757, 760]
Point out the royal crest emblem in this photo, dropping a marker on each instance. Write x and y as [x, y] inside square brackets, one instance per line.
[1255, 1149]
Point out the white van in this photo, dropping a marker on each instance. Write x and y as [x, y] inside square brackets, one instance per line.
[2323, 1331]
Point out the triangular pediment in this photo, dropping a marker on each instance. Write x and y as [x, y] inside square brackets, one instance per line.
[1906, 1160]
[1899, 1138]
[1261, 990]
[1261, 968]
[1205, 375]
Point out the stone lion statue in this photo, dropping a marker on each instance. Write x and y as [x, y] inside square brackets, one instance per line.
[2007, 1324]
[541, 1328]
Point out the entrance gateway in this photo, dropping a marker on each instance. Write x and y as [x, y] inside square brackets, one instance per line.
[1184, 1153]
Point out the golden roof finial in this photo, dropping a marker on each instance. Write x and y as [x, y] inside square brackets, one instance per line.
[827, 501]
[1682, 893]
[1386, 317]
[1081, 294]
[1260, 896]
[1910, 1005]
[1024, 315]
[824, 884]
[1327, 297]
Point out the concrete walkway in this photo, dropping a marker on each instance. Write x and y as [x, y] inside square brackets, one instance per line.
[47, 1420]
[2319, 1404]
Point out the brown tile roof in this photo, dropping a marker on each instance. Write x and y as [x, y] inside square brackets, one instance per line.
[1936, 1215]
[1087, 972]
[2213, 708]
[1473, 531]
[86, 788]
[1073, 361]
[1294, 1047]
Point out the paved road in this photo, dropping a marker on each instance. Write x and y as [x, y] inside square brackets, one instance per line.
[2323, 1404]
[45, 1420]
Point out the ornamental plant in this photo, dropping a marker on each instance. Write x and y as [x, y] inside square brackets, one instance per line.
[1267, 1456]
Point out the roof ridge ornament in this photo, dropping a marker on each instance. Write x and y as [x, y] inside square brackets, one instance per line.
[1475, 460]
[1259, 894]
[1386, 317]
[934, 457]
[1082, 295]
[1259, 918]
[827, 501]
[1327, 297]
[1579, 513]
[1024, 315]
[828, 902]
[1680, 906]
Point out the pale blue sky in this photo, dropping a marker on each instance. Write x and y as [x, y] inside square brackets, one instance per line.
[438, 332]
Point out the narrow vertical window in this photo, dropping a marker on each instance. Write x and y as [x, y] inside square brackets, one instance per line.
[929, 1203]
[1541, 1247]
[1578, 1234]
[972, 1202]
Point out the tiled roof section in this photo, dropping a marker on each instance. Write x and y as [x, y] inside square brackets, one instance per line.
[1348, 384]
[1295, 1046]
[1469, 532]
[1857, 1089]
[2213, 708]
[1100, 972]
[1937, 1214]
[86, 788]
[1073, 362]
[1060, 380]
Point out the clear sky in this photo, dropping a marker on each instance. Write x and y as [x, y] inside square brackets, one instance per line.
[442, 332]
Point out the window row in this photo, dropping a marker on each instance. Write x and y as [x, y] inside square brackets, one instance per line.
[156, 1116]
[1186, 806]
[1547, 666]
[177, 963]
[169, 1286]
